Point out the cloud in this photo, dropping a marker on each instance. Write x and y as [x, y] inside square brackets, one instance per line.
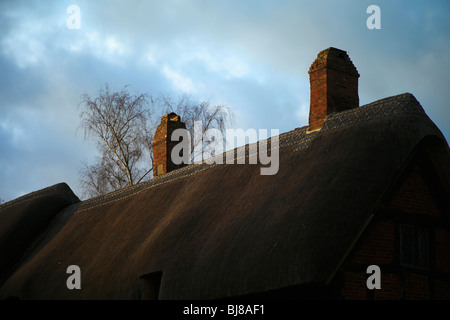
[179, 81]
[24, 45]
[250, 55]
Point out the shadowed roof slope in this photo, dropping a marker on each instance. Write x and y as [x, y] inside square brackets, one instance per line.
[218, 231]
[24, 219]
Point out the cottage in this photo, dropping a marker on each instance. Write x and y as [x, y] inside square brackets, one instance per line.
[358, 186]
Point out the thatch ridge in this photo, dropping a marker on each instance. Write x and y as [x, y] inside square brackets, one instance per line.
[176, 174]
[399, 104]
[59, 188]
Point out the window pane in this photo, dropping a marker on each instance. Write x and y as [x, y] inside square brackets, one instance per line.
[406, 244]
[421, 249]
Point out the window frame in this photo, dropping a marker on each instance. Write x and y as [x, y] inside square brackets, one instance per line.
[419, 246]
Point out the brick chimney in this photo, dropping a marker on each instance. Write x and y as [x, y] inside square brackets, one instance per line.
[162, 144]
[334, 86]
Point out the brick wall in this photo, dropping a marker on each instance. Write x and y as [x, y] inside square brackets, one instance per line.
[416, 286]
[380, 246]
[160, 148]
[414, 196]
[354, 287]
[390, 287]
[442, 290]
[442, 237]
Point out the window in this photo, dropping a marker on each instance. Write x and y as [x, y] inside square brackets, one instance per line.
[414, 246]
[150, 285]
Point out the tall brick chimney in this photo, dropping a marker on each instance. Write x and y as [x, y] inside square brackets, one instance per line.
[162, 144]
[334, 86]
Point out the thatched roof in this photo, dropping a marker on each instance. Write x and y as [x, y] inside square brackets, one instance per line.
[222, 230]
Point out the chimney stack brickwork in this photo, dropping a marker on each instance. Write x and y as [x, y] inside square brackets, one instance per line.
[162, 144]
[334, 86]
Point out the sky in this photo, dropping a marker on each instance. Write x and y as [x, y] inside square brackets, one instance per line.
[252, 56]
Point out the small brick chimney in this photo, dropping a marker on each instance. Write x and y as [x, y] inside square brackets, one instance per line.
[334, 86]
[162, 144]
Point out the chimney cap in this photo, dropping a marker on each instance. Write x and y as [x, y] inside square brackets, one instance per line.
[171, 116]
[334, 58]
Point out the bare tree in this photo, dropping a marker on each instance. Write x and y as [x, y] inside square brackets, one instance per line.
[124, 125]
[2, 201]
[211, 116]
[119, 122]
